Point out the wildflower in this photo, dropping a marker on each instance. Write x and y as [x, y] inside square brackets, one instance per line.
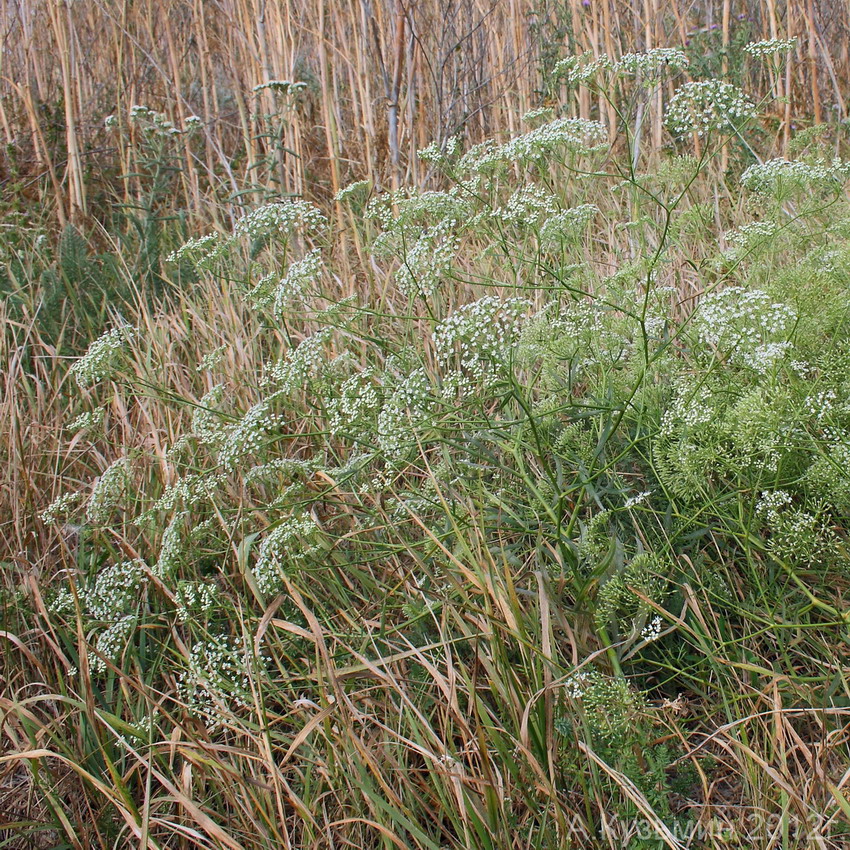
[581, 69]
[529, 206]
[638, 499]
[579, 135]
[300, 362]
[193, 598]
[485, 330]
[795, 535]
[652, 62]
[740, 322]
[251, 432]
[407, 407]
[440, 153]
[110, 643]
[217, 678]
[610, 705]
[115, 591]
[99, 361]
[704, 107]
[401, 212]
[567, 223]
[291, 286]
[285, 87]
[542, 113]
[171, 547]
[750, 235]
[108, 491]
[281, 219]
[781, 174]
[211, 359]
[60, 507]
[764, 357]
[652, 630]
[770, 47]
[355, 404]
[88, 420]
[287, 544]
[353, 190]
[153, 123]
[201, 252]
[428, 261]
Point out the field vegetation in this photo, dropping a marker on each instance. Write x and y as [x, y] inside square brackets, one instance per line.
[497, 499]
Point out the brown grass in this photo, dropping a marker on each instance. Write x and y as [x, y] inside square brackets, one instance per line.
[384, 79]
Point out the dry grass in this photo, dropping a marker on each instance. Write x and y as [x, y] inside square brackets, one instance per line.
[383, 79]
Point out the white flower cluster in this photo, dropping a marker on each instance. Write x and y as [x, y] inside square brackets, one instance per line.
[171, 546]
[437, 153]
[707, 106]
[110, 643]
[201, 252]
[287, 544]
[281, 219]
[652, 62]
[217, 679]
[404, 209]
[292, 372]
[87, 421]
[611, 706]
[485, 330]
[749, 237]
[428, 261]
[540, 114]
[738, 322]
[638, 499]
[251, 433]
[652, 630]
[188, 491]
[153, 123]
[770, 47]
[821, 404]
[291, 287]
[211, 359]
[353, 190]
[692, 408]
[794, 534]
[577, 683]
[101, 358]
[355, 404]
[283, 466]
[406, 408]
[579, 135]
[649, 64]
[206, 419]
[529, 206]
[567, 222]
[108, 491]
[60, 508]
[115, 591]
[581, 69]
[829, 475]
[778, 174]
[195, 597]
[573, 336]
[764, 357]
